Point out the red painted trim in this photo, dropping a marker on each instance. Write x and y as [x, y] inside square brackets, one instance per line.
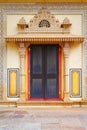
[60, 73]
[29, 73]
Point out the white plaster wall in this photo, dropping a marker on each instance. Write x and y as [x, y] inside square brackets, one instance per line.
[76, 21]
[12, 21]
[13, 58]
[75, 56]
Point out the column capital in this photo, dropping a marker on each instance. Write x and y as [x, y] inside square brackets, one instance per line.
[66, 44]
[22, 49]
[66, 49]
[23, 44]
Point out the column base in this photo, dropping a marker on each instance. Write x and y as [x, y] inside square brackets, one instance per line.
[3, 93]
[85, 99]
[22, 97]
[66, 97]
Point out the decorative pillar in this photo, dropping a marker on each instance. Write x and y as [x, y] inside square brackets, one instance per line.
[22, 51]
[66, 73]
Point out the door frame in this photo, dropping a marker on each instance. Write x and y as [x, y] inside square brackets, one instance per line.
[59, 77]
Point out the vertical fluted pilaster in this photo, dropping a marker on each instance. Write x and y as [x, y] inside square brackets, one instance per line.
[22, 51]
[66, 73]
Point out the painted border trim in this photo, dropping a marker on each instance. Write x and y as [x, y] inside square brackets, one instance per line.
[71, 80]
[9, 70]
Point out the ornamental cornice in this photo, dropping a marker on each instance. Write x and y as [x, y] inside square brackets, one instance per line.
[46, 39]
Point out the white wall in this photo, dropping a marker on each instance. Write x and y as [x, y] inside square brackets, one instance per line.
[76, 21]
[13, 58]
[12, 21]
[75, 56]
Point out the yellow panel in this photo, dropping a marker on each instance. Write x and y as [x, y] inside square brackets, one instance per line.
[75, 83]
[13, 83]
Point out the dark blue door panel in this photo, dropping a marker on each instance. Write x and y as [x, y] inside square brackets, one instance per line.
[44, 71]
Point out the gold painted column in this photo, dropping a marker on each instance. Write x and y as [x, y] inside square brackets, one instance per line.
[66, 71]
[22, 51]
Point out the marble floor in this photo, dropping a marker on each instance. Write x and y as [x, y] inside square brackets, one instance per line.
[43, 118]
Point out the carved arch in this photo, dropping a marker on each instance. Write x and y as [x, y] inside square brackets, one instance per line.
[44, 23]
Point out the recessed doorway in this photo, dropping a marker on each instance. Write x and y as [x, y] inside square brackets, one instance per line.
[44, 66]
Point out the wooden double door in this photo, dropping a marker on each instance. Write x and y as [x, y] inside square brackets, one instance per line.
[44, 71]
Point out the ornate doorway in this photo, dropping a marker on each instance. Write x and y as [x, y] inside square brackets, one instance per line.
[44, 75]
[44, 71]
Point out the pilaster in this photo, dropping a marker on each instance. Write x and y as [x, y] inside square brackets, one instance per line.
[22, 52]
[66, 72]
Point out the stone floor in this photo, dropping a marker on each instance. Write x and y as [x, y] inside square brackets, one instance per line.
[44, 118]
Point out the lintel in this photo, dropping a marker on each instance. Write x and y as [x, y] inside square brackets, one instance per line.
[44, 38]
